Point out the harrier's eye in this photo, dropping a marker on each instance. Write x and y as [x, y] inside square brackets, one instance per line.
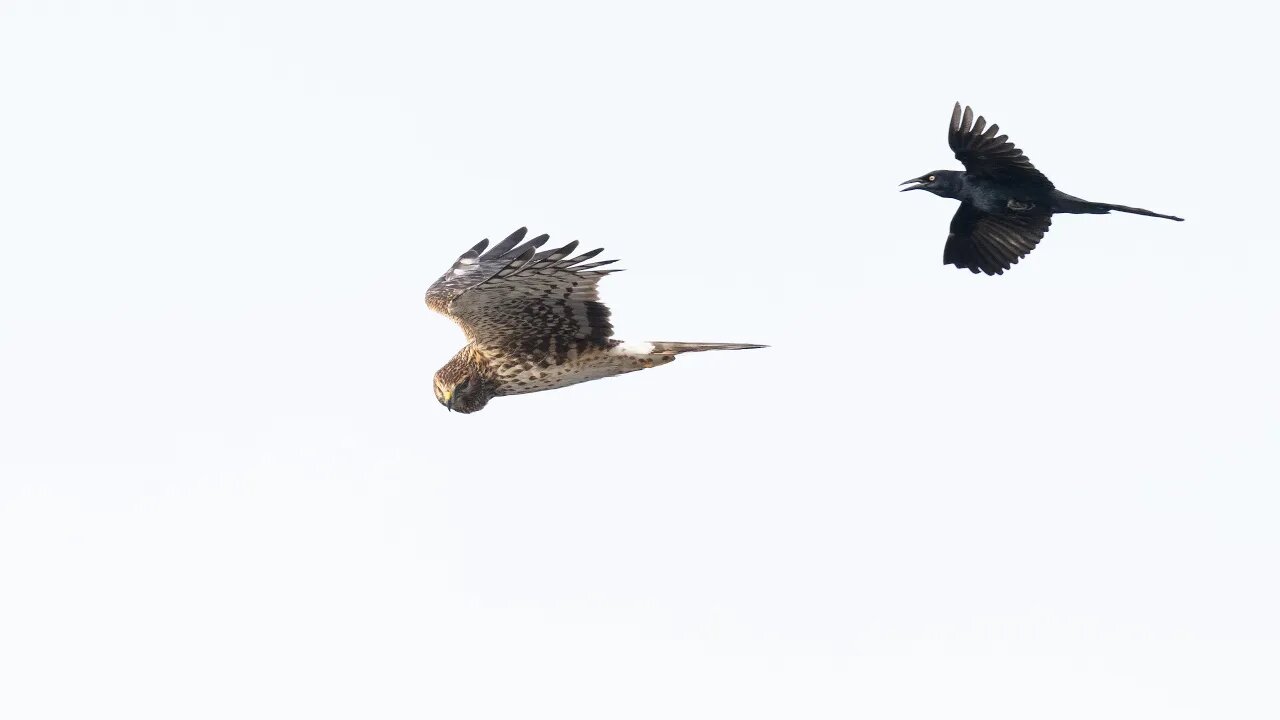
[463, 385]
[932, 178]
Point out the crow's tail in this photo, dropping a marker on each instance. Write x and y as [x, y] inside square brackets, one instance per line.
[1065, 203]
[1136, 211]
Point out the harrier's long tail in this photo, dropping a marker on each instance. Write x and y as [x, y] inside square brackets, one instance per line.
[675, 348]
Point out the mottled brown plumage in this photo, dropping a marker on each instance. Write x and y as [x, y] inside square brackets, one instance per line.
[533, 321]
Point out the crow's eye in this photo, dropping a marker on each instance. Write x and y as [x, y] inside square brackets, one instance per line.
[932, 178]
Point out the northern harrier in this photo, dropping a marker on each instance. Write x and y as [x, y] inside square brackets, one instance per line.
[1005, 203]
[534, 321]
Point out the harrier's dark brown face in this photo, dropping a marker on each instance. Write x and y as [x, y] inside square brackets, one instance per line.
[465, 393]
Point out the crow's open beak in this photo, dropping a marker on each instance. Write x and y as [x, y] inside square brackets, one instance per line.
[917, 186]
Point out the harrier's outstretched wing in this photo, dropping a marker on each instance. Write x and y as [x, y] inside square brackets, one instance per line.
[983, 152]
[515, 298]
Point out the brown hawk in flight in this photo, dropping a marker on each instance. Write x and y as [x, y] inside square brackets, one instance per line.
[534, 321]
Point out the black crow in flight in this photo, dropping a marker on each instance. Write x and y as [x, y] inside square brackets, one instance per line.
[1005, 203]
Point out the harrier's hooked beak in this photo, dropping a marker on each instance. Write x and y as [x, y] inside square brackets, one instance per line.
[919, 184]
[448, 399]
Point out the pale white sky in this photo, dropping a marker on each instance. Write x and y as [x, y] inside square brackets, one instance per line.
[227, 491]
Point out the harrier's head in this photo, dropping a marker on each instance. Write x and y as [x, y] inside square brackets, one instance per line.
[945, 183]
[460, 385]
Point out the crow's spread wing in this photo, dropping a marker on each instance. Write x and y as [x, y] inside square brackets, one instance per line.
[993, 243]
[986, 153]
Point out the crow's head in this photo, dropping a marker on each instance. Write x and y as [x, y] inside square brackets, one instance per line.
[945, 183]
